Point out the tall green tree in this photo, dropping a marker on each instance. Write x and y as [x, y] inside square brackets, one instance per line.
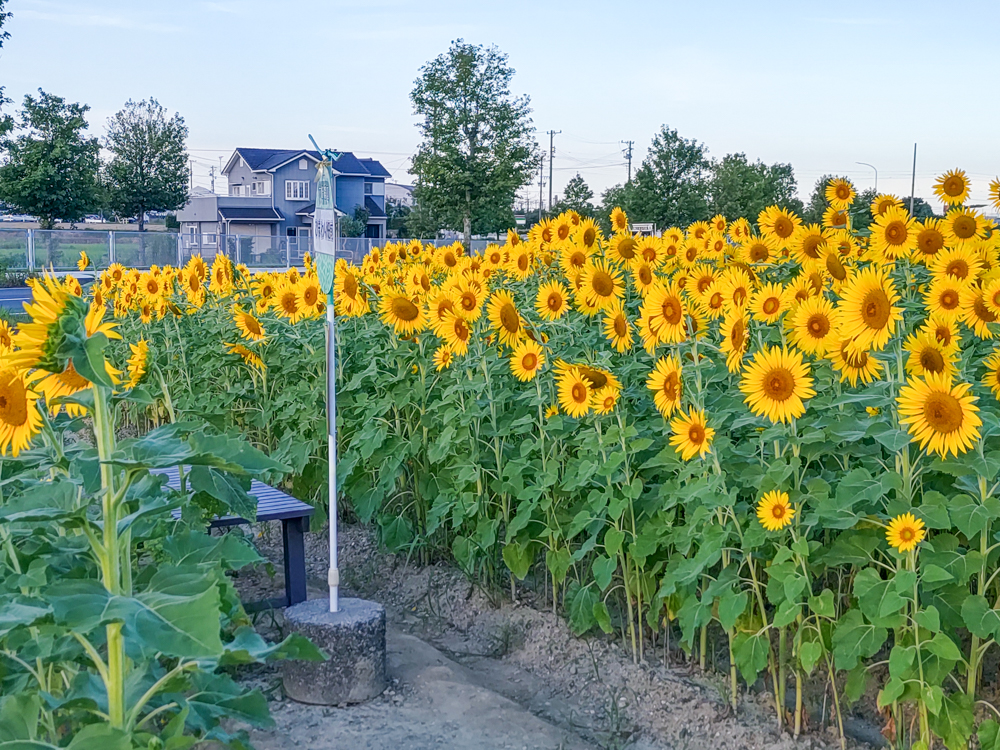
[478, 146]
[577, 196]
[740, 188]
[148, 167]
[6, 121]
[671, 186]
[51, 168]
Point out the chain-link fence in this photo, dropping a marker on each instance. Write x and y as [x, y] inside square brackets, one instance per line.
[59, 249]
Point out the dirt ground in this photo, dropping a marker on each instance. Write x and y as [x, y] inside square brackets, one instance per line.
[468, 674]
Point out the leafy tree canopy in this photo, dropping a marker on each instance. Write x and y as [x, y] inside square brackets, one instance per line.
[739, 188]
[576, 197]
[478, 146]
[52, 167]
[148, 167]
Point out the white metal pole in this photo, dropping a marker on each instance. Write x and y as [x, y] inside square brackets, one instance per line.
[331, 411]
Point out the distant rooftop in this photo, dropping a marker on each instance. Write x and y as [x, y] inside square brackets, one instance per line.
[265, 159]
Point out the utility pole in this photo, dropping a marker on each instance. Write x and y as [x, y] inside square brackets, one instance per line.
[190, 174]
[627, 153]
[552, 153]
[913, 182]
[211, 174]
[541, 177]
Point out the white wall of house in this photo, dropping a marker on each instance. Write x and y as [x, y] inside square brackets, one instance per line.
[247, 229]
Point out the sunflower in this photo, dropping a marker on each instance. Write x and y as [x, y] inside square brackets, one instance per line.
[713, 301]
[893, 234]
[735, 337]
[883, 202]
[834, 219]
[619, 221]
[470, 300]
[456, 333]
[769, 303]
[691, 434]
[867, 311]
[938, 415]
[813, 326]
[222, 275]
[6, 338]
[944, 297]
[775, 384]
[573, 258]
[963, 225]
[399, 311]
[575, 395]
[116, 272]
[650, 250]
[778, 223]
[944, 329]
[698, 230]
[311, 298]
[929, 240]
[737, 287]
[605, 399]
[519, 264]
[249, 326]
[551, 302]
[842, 242]
[992, 377]
[662, 313]
[83, 262]
[643, 277]
[665, 382]
[839, 193]
[504, 318]
[443, 357]
[347, 294]
[137, 363]
[758, 249]
[952, 187]
[617, 329]
[249, 356]
[905, 532]
[975, 313]
[807, 243]
[928, 356]
[20, 419]
[852, 364]
[962, 263]
[775, 511]
[994, 193]
[551, 411]
[526, 360]
[622, 249]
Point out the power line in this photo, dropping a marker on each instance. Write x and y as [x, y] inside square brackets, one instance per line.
[627, 153]
[552, 153]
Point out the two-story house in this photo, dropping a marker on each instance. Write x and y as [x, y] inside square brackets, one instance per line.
[271, 195]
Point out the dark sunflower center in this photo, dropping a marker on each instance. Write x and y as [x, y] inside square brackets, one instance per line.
[779, 384]
[626, 248]
[818, 326]
[949, 299]
[580, 393]
[835, 267]
[602, 283]
[671, 386]
[930, 241]
[589, 236]
[509, 318]
[964, 227]
[350, 285]
[554, 301]
[931, 360]
[672, 312]
[645, 276]
[954, 186]
[696, 434]
[529, 361]
[943, 412]
[783, 227]
[875, 309]
[907, 534]
[778, 511]
[771, 306]
[810, 245]
[982, 311]
[13, 401]
[621, 327]
[403, 309]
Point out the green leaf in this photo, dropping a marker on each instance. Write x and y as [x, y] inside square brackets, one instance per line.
[857, 682]
[989, 735]
[732, 604]
[247, 647]
[931, 574]
[518, 558]
[943, 646]
[100, 737]
[602, 616]
[20, 611]
[854, 639]
[933, 697]
[225, 489]
[786, 614]
[979, 618]
[892, 691]
[397, 532]
[751, 652]
[971, 517]
[604, 569]
[558, 563]
[954, 722]
[580, 601]
[613, 539]
[19, 717]
[879, 600]
[929, 619]
[810, 652]
[823, 605]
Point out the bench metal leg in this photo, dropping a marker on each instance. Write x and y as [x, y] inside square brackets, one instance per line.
[295, 560]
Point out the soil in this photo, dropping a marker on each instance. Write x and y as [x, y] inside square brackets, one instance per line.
[468, 673]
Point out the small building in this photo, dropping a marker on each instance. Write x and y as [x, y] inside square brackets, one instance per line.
[400, 194]
[269, 205]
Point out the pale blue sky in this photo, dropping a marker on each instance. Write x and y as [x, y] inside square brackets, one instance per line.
[819, 85]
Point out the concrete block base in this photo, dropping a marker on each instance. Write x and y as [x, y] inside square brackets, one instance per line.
[354, 639]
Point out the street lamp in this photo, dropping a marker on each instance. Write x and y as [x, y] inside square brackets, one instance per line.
[866, 164]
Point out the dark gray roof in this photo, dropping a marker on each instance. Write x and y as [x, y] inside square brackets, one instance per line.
[375, 169]
[374, 212]
[240, 213]
[262, 159]
[307, 211]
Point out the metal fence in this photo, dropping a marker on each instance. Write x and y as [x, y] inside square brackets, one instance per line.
[59, 249]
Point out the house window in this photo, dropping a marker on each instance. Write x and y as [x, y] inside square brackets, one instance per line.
[368, 188]
[297, 190]
[303, 164]
[259, 188]
[234, 190]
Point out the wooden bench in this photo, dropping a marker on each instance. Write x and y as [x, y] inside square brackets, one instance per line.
[272, 505]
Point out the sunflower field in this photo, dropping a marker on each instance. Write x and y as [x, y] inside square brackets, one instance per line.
[779, 441]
